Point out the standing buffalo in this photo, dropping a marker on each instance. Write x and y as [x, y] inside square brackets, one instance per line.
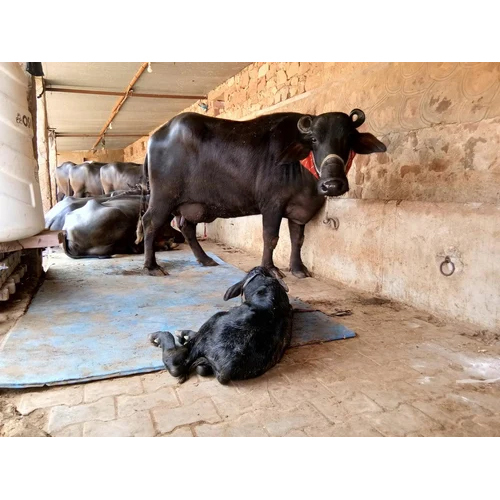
[120, 176]
[62, 179]
[202, 168]
[85, 179]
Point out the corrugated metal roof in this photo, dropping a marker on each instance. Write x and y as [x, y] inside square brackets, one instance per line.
[87, 114]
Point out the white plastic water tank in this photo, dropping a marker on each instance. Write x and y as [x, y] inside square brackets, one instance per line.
[21, 211]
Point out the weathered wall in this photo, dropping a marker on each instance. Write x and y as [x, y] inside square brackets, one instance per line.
[441, 123]
[108, 155]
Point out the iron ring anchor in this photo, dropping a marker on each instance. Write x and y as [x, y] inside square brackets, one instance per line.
[447, 261]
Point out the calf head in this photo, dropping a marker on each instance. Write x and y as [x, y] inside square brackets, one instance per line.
[332, 137]
[259, 288]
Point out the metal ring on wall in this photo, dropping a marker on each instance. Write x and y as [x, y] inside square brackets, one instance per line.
[332, 222]
[447, 261]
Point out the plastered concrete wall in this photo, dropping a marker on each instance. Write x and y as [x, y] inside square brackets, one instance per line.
[441, 123]
[395, 250]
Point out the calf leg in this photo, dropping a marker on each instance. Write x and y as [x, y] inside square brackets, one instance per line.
[189, 231]
[174, 356]
[271, 229]
[297, 240]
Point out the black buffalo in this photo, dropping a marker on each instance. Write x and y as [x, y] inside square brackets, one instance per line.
[202, 168]
[238, 344]
[85, 179]
[102, 226]
[120, 176]
[62, 180]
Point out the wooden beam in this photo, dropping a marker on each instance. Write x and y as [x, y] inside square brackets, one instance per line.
[120, 102]
[64, 134]
[41, 240]
[131, 93]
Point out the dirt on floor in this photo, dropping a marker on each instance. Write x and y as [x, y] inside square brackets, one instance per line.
[406, 373]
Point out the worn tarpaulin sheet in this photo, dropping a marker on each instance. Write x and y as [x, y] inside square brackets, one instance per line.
[91, 318]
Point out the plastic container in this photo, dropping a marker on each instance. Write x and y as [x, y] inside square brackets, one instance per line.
[21, 211]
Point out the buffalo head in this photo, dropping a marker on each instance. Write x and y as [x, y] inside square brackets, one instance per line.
[332, 137]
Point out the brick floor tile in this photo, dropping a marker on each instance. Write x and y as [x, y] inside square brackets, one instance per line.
[338, 409]
[405, 420]
[280, 421]
[62, 416]
[180, 432]
[154, 381]
[354, 426]
[164, 397]
[245, 426]
[70, 395]
[202, 410]
[75, 430]
[113, 387]
[189, 393]
[450, 409]
[138, 424]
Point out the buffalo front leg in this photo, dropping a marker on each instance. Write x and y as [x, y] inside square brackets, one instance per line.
[297, 240]
[189, 231]
[270, 232]
[152, 222]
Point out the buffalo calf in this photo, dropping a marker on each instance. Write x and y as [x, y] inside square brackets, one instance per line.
[241, 343]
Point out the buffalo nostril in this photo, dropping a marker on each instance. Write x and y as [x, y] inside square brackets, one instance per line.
[332, 186]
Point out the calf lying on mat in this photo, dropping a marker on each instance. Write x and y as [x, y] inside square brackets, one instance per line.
[241, 343]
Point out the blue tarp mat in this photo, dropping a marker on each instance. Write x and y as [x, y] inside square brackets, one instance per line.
[91, 318]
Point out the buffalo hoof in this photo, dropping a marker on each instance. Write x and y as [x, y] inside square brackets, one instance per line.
[164, 340]
[154, 338]
[156, 271]
[276, 272]
[301, 272]
[208, 262]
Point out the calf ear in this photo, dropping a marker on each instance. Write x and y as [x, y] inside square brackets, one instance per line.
[234, 291]
[283, 284]
[366, 143]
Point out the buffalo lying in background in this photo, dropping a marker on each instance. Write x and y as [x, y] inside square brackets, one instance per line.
[202, 168]
[241, 343]
[103, 226]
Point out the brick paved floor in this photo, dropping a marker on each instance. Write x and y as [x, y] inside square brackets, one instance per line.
[407, 373]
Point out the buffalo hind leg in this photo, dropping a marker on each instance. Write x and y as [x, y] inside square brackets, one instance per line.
[189, 231]
[297, 240]
[271, 230]
[152, 222]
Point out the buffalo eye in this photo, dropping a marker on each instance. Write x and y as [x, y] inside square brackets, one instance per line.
[314, 140]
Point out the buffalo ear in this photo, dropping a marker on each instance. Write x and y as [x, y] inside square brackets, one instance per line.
[235, 290]
[366, 143]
